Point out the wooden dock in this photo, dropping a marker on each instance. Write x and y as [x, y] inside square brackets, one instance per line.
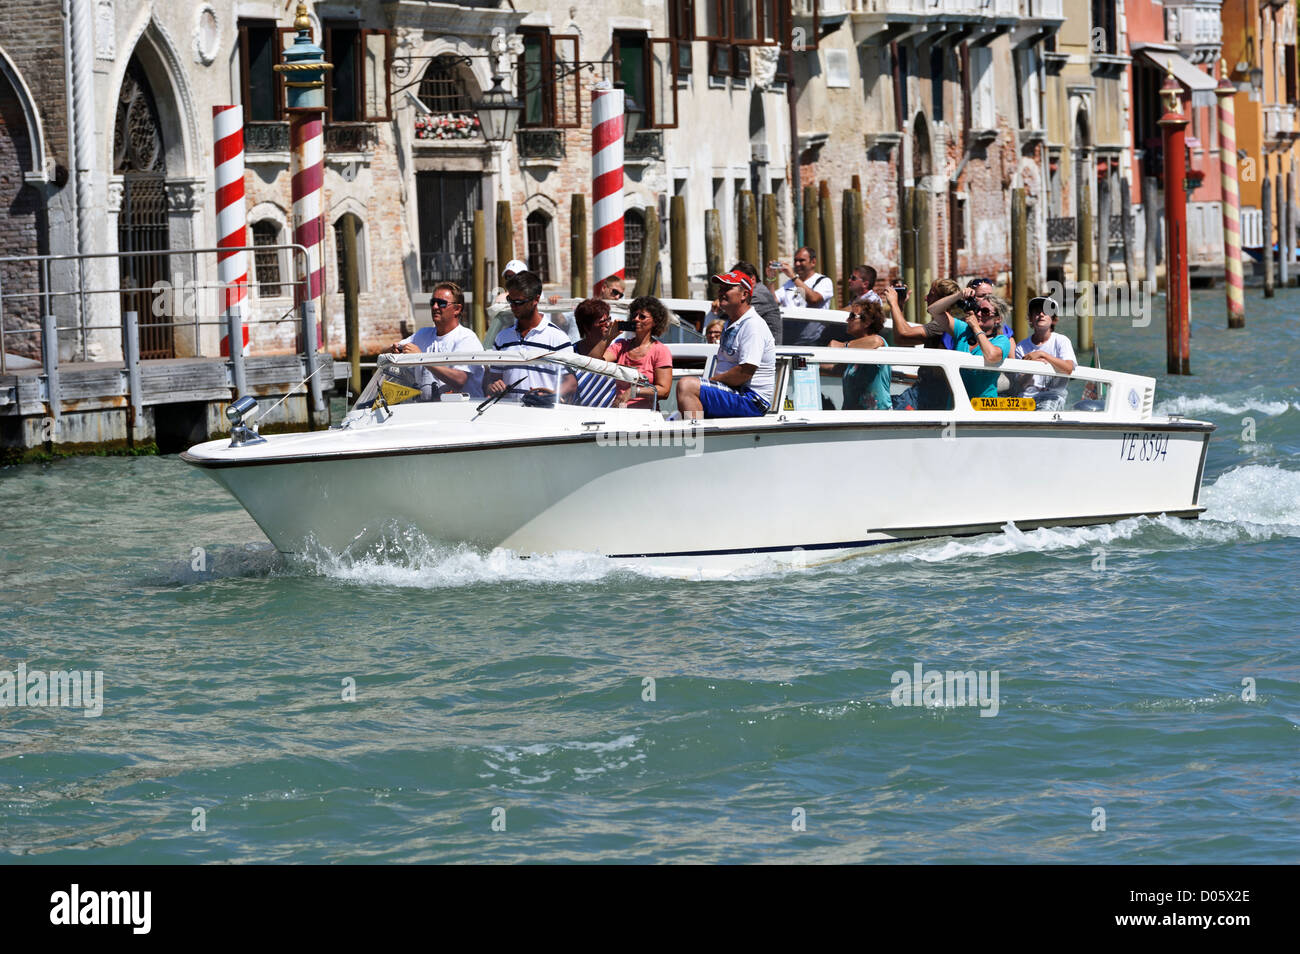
[181, 401]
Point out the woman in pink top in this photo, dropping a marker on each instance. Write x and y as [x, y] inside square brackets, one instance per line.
[644, 351]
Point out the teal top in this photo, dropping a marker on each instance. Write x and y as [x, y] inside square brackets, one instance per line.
[866, 387]
[978, 383]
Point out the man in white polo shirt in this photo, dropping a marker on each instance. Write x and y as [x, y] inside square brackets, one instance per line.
[744, 372]
[531, 334]
[447, 334]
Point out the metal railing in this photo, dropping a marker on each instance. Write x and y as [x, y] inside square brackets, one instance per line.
[541, 143]
[1061, 230]
[187, 304]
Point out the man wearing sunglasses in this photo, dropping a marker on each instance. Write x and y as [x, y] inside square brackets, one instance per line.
[447, 334]
[982, 335]
[531, 334]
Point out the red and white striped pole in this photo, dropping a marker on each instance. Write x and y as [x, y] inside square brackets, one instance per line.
[232, 231]
[307, 143]
[607, 182]
[1233, 282]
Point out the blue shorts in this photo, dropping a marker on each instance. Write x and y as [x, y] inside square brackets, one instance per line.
[722, 401]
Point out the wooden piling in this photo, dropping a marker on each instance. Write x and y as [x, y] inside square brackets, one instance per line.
[1084, 245]
[827, 252]
[1151, 245]
[351, 286]
[1266, 194]
[579, 282]
[1284, 230]
[1102, 269]
[747, 229]
[851, 223]
[713, 249]
[505, 235]
[478, 275]
[924, 249]
[1126, 228]
[679, 258]
[812, 219]
[647, 278]
[1019, 264]
[771, 238]
[907, 254]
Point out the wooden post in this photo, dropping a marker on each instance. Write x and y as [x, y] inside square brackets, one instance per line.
[647, 278]
[478, 307]
[1151, 216]
[1126, 228]
[827, 251]
[505, 235]
[678, 254]
[579, 282]
[1019, 264]
[713, 250]
[924, 249]
[352, 331]
[1284, 230]
[1266, 194]
[907, 254]
[812, 218]
[1084, 245]
[747, 229]
[1102, 276]
[851, 223]
[771, 238]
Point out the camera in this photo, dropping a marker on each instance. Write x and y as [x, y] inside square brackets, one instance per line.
[628, 325]
[966, 304]
[901, 292]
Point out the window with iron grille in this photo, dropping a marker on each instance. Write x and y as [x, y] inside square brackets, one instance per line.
[266, 261]
[442, 89]
[539, 249]
[633, 242]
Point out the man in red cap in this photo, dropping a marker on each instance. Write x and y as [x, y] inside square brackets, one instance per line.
[744, 372]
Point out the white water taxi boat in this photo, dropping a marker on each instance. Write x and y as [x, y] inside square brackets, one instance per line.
[809, 482]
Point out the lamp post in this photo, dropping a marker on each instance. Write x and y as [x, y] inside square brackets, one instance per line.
[498, 113]
[1173, 125]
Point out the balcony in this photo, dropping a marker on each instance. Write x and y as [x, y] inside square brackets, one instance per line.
[543, 144]
[1061, 231]
[1279, 121]
[350, 137]
[447, 127]
[877, 22]
[266, 137]
[1039, 19]
[1196, 27]
[646, 146]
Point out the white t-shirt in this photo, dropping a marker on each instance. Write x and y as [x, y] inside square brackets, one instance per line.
[748, 340]
[789, 296]
[1047, 385]
[545, 337]
[459, 338]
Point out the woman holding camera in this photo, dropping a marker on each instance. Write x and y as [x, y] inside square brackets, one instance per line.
[647, 320]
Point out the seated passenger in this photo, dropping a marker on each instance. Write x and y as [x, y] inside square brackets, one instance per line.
[866, 386]
[1054, 350]
[744, 371]
[645, 352]
[713, 331]
[983, 336]
[595, 330]
[531, 334]
[447, 334]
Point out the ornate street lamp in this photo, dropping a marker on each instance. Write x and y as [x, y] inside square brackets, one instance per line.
[498, 113]
[631, 119]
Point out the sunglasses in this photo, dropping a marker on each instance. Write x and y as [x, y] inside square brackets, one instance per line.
[440, 304]
[516, 302]
[986, 314]
[614, 294]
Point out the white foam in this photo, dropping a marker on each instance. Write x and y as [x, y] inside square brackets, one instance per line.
[1187, 405]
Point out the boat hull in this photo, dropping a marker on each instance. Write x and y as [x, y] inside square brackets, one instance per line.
[690, 498]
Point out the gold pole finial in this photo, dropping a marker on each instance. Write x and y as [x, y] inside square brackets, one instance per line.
[300, 19]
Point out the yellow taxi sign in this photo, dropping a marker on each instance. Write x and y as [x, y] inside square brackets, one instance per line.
[1002, 403]
[395, 393]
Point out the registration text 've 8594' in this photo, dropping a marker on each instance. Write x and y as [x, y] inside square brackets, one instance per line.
[1135, 445]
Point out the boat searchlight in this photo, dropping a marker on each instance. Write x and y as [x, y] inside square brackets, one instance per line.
[241, 433]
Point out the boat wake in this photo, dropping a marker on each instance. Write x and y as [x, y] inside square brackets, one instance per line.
[1250, 504]
[1202, 404]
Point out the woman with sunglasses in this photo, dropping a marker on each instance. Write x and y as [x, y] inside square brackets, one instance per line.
[983, 335]
[645, 352]
[866, 386]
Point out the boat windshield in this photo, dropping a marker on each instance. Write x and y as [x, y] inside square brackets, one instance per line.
[540, 381]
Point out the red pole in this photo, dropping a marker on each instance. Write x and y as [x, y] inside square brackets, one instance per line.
[1177, 327]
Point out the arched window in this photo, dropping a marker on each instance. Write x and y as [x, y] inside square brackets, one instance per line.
[443, 89]
[539, 251]
[266, 261]
[340, 224]
[633, 241]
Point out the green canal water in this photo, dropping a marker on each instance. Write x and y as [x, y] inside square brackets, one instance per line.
[559, 710]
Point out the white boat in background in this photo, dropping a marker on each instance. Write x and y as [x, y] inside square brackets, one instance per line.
[802, 485]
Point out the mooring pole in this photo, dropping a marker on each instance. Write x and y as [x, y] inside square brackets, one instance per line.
[1019, 264]
[677, 250]
[1234, 286]
[1173, 124]
[578, 279]
[1266, 201]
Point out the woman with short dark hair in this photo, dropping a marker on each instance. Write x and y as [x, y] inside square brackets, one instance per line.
[645, 352]
[866, 386]
[595, 330]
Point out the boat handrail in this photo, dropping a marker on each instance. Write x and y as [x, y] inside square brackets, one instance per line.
[581, 362]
